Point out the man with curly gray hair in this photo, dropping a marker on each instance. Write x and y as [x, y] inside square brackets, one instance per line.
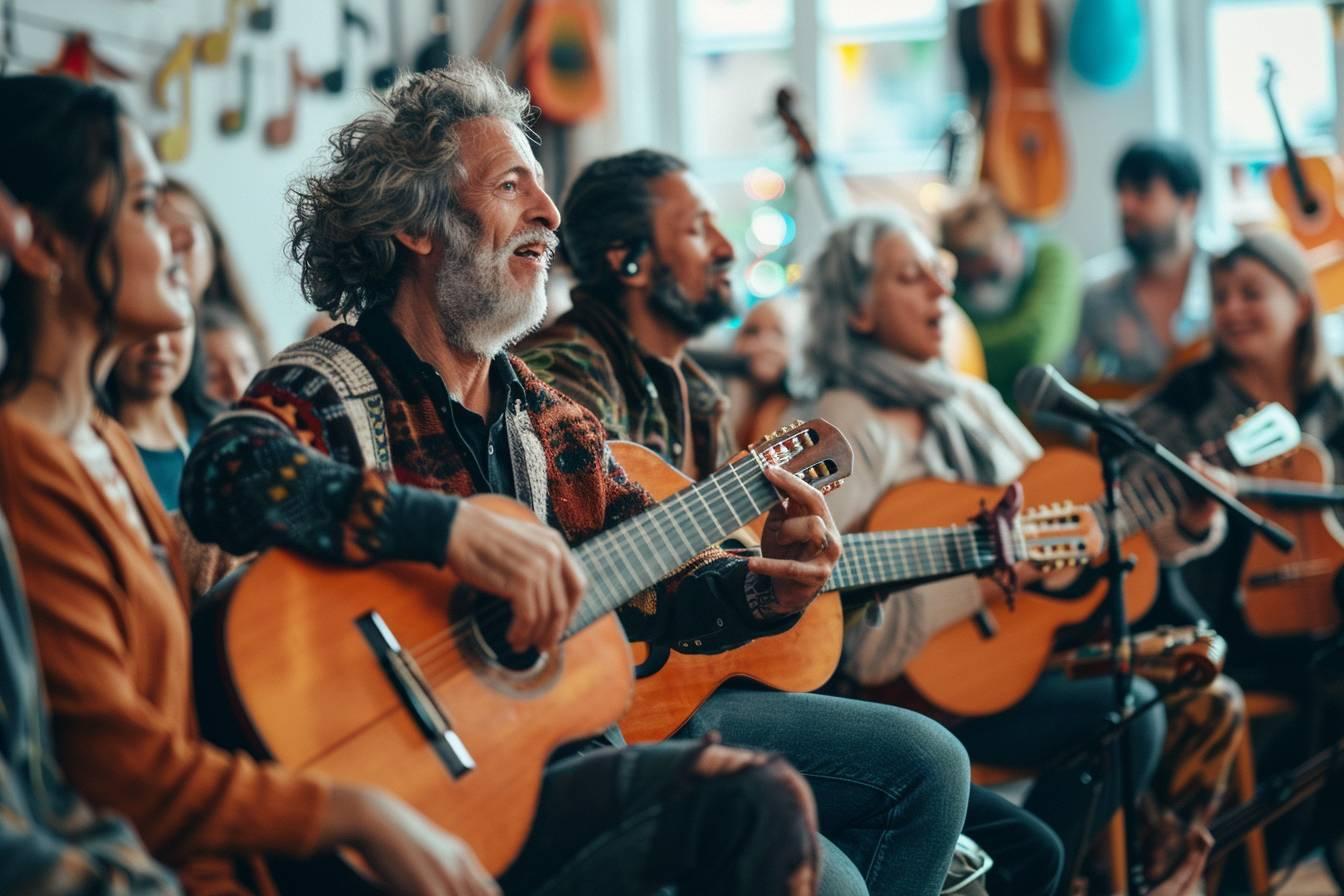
[430, 224]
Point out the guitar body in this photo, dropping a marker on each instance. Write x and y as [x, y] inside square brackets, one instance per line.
[310, 692]
[1324, 177]
[1294, 593]
[1103, 389]
[961, 672]
[801, 659]
[1025, 154]
[562, 49]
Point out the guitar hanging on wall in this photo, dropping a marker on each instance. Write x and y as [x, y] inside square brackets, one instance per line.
[562, 60]
[1307, 188]
[1025, 155]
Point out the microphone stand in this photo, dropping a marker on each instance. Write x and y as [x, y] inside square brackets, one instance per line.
[1116, 436]
[1110, 450]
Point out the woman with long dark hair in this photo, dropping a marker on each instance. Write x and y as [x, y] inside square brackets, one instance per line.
[212, 272]
[96, 548]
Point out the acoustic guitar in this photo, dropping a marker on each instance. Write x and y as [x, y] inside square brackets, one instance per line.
[1294, 593]
[985, 665]
[562, 56]
[1025, 155]
[395, 676]
[1307, 188]
[1309, 191]
[670, 686]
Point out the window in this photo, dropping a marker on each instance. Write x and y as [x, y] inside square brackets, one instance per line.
[1295, 38]
[870, 81]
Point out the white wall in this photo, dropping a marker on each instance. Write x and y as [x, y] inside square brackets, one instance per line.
[242, 179]
[245, 181]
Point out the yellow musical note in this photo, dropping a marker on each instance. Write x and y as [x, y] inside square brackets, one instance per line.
[173, 143]
[214, 45]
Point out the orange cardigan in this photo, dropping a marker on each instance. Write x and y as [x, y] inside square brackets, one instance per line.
[115, 647]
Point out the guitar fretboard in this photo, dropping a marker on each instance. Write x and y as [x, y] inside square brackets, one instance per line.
[1150, 496]
[876, 558]
[642, 551]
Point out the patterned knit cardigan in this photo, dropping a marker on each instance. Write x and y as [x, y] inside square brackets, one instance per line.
[338, 450]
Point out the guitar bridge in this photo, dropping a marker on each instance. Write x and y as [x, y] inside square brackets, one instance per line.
[415, 693]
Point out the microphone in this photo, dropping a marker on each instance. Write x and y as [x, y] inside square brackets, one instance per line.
[1040, 389]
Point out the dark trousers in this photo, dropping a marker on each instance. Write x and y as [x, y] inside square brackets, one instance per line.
[1028, 856]
[891, 785]
[1058, 716]
[630, 821]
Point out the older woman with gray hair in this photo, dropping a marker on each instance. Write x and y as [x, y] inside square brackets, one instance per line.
[878, 295]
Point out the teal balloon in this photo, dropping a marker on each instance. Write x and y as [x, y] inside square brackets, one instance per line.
[1106, 41]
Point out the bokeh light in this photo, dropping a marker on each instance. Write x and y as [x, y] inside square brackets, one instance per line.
[765, 278]
[763, 184]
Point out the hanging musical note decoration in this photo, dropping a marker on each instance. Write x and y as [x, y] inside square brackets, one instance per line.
[214, 45]
[333, 80]
[262, 18]
[172, 144]
[79, 60]
[232, 119]
[279, 129]
[383, 76]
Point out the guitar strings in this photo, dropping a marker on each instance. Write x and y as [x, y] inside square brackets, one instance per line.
[909, 546]
[604, 547]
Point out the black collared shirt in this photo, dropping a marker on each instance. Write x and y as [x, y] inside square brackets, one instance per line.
[486, 444]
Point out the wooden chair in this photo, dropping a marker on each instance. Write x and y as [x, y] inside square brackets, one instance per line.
[1259, 705]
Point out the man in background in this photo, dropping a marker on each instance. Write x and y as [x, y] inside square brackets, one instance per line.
[1145, 305]
[1022, 292]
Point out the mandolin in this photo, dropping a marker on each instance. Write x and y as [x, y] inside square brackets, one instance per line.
[671, 686]
[397, 677]
[985, 665]
[1294, 593]
[1025, 155]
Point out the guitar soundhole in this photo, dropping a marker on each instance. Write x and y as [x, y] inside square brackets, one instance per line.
[492, 618]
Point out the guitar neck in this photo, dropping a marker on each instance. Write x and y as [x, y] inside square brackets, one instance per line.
[1153, 496]
[1273, 798]
[637, 554]
[883, 558]
[1305, 201]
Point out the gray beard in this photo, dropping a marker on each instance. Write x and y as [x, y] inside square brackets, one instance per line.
[481, 310]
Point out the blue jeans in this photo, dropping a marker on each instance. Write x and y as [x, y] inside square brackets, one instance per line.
[1058, 716]
[891, 785]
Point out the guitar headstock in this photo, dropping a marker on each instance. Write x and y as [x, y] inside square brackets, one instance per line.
[1264, 434]
[1271, 74]
[802, 144]
[816, 452]
[1060, 535]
